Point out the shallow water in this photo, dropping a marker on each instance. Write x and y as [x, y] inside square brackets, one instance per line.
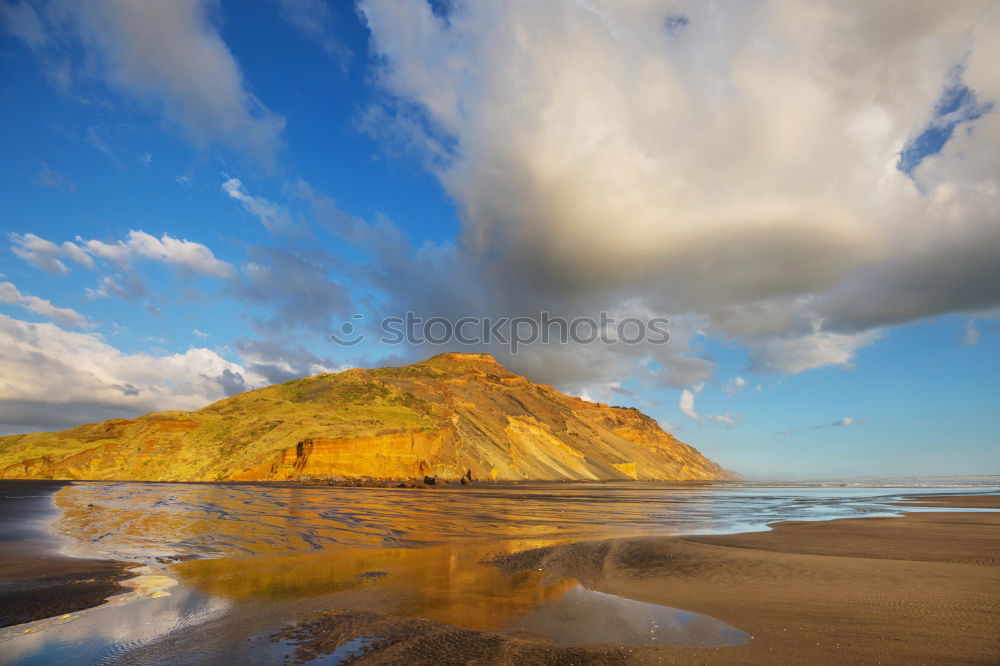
[580, 616]
[151, 521]
[240, 561]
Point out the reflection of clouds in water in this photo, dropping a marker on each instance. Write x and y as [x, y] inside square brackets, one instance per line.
[308, 543]
[582, 616]
[145, 521]
[91, 635]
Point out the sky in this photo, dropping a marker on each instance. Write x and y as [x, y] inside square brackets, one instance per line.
[197, 193]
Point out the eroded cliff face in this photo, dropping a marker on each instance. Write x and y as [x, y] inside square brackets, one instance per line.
[449, 416]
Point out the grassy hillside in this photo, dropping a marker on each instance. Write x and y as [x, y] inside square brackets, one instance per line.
[445, 416]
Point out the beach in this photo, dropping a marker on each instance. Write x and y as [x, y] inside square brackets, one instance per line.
[36, 580]
[33, 588]
[501, 332]
[923, 587]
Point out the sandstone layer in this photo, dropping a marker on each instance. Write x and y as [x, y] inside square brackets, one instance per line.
[450, 416]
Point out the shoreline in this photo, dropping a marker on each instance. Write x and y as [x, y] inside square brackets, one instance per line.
[56, 585]
[923, 587]
[808, 591]
[37, 581]
[401, 483]
[415, 483]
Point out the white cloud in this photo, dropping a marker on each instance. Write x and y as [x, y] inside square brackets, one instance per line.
[796, 353]
[271, 215]
[839, 423]
[740, 167]
[735, 385]
[46, 255]
[200, 334]
[54, 377]
[185, 255]
[608, 392]
[728, 420]
[129, 287]
[443, 280]
[971, 335]
[314, 21]
[10, 295]
[168, 54]
[686, 405]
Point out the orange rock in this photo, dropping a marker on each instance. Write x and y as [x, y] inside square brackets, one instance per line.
[452, 416]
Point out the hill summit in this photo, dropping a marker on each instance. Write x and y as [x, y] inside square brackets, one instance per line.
[450, 416]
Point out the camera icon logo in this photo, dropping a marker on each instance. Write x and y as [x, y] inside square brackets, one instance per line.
[348, 334]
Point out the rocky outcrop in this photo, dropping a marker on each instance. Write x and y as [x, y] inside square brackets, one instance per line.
[453, 416]
[401, 454]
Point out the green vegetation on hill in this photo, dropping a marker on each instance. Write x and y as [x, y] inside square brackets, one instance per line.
[448, 415]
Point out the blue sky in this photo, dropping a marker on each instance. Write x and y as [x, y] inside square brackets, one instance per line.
[196, 194]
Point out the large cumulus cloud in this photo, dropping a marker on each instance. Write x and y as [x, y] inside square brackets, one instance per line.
[734, 165]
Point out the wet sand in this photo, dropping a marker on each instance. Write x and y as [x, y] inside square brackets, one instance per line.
[923, 588]
[34, 587]
[35, 581]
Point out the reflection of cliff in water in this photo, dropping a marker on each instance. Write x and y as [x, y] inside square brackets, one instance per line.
[449, 584]
[270, 555]
[246, 543]
[157, 520]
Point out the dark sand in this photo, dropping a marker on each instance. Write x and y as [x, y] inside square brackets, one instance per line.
[35, 582]
[919, 589]
[33, 588]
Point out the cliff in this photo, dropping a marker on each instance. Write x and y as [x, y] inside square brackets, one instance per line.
[447, 416]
